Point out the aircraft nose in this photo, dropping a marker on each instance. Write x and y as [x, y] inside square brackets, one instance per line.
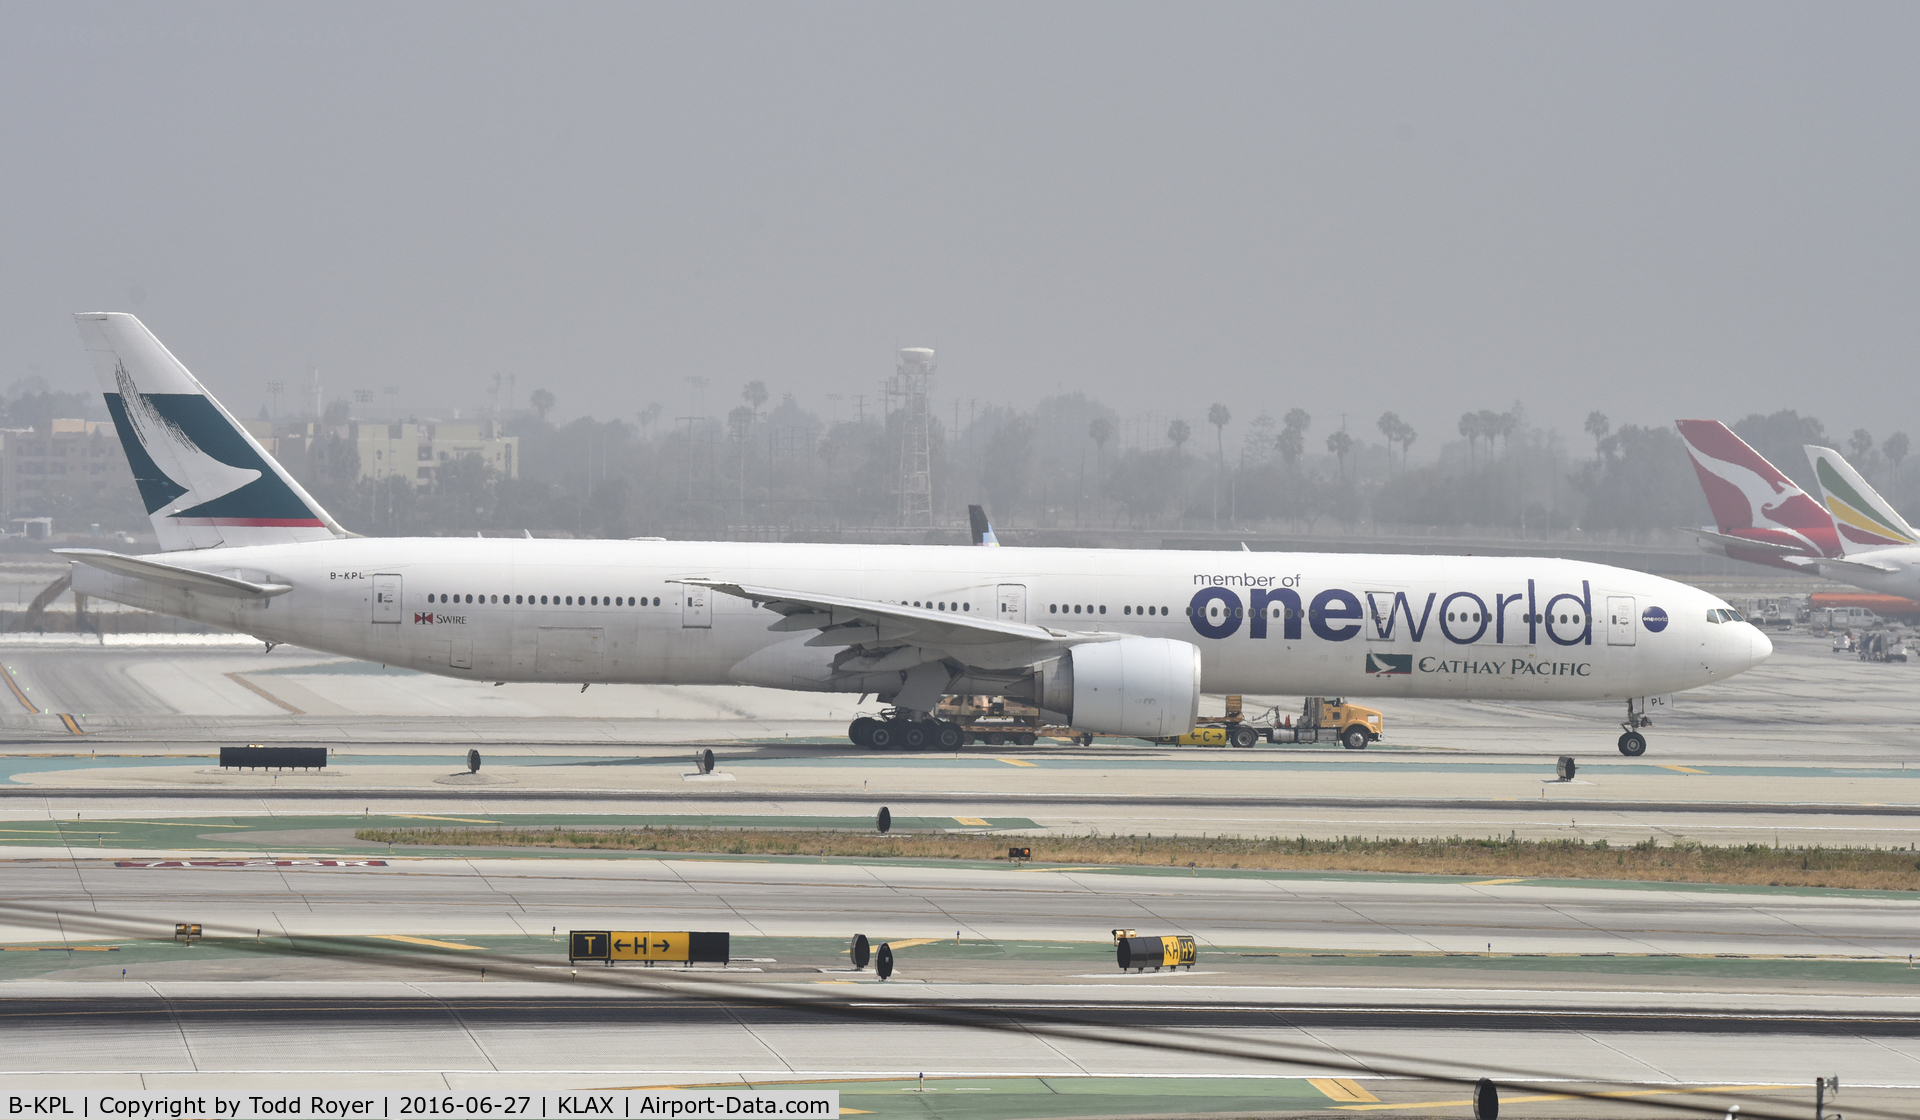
[1762, 646]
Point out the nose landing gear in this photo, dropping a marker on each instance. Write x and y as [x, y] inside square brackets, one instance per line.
[1632, 743]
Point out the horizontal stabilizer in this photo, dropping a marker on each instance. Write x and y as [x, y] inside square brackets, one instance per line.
[1853, 566]
[1728, 540]
[171, 575]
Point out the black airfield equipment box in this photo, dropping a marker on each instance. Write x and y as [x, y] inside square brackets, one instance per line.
[273, 758]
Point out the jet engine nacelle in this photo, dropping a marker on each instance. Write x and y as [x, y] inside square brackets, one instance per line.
[1143, 687]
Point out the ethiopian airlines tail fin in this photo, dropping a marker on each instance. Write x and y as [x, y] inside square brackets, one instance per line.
[204, 480]
[1866, 521]
[1750, 498]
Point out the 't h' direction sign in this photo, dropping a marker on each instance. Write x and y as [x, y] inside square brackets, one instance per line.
[650, 946]
[675, 947]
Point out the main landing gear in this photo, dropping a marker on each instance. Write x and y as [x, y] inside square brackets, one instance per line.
[906, 730]
[1632, 743]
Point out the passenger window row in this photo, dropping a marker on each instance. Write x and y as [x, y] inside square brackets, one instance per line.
[557, 600]
[938, 605]
[1078, 608]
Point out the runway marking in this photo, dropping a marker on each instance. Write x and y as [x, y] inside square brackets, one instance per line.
[912, 941]
[60, 949]
[173, 824]
[1493, 882]
[971, 822]
[1680, 769]
[72, 724]
[263, 693]
[18, 694]
[424, 941]
[424, 817]
[1016, 762]
[1568, 1097]
[1341, 1089]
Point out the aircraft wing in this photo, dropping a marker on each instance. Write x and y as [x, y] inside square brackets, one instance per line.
[171, 575]
[881, 636]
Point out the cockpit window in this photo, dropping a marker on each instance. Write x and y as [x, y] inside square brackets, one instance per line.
[1735, 616]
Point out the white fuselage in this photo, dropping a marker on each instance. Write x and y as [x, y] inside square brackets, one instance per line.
[1266, 623]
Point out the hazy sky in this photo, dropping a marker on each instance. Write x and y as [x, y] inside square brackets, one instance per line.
[1652, 209]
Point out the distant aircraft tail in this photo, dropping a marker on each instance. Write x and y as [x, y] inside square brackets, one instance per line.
[204, 480]
[1865, 520]
[982, 528]
[1751, 499]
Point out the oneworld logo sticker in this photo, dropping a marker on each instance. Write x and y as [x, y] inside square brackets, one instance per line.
[1654, 619]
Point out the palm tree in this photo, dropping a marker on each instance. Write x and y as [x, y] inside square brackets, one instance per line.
[1290, 443]
[542, 402]
[1179, 432]
[1218, 417]
[755, 394]
[1861, 441]
[1390, 425]
[1598, 426]
[1100, 430]
[1894, 447]
[1470, 427]
[1340, 443]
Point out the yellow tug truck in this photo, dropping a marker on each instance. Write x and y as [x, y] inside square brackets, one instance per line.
[1322, 720]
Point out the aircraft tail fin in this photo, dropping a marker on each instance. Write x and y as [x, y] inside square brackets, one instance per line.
[982, 528]
[1750, 497]
[204, 480]
[1864, 519]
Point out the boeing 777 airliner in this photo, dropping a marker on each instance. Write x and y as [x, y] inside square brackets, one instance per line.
[1115, 642]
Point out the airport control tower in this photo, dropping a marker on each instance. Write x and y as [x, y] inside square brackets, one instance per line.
[907, 390]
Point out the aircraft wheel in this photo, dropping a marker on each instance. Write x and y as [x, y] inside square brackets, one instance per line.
[860, 731]
[883, 736]
[915, 736]
[1633, 744]
[949, 736]
[1243, 737]
[1354, 738]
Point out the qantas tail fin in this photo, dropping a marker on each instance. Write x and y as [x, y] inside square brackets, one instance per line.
[1751, 499]
[1865, 520]
[204, 480]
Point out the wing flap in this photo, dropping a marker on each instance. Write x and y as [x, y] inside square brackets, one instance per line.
[884, 636]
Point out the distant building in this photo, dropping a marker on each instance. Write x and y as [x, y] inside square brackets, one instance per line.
[71, 456]
[418, 451]
[413, 451]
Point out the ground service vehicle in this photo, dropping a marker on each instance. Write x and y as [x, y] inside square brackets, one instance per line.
[1322, 720]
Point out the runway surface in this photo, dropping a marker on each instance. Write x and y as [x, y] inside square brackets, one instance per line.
[1404, 986]
[1314, 992]
[1804, 703]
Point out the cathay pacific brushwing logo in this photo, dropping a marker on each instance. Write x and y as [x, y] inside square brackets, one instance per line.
[1390, 664]
[191, 462]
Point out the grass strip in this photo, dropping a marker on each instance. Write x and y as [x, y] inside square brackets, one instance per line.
[1491, 857]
